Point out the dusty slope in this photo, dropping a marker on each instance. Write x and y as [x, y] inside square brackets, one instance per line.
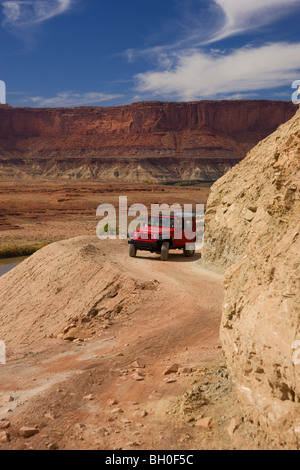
[72, 282]
[167, 324]
[145, 141]
[252, 225]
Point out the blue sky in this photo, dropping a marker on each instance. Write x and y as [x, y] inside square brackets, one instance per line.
[90, 52]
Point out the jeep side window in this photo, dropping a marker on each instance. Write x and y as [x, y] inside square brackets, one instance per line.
[188, 225]
[153, 222]
[161, 222]
[167, 223]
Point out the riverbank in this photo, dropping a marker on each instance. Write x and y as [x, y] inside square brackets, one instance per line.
[8, 264]
[16, 251]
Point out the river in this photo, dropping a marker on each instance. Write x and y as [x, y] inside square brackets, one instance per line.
[9, 263]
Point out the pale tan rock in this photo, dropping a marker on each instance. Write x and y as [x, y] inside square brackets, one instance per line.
[112, 402]
[71, 335]
[4, 424]
[4, 436]
[117, 411]
[7, 399]
[49, 416]
[172, 369]
[138, 377]
[138, 364]
[27, 432]
[185, 370]
[126, 422]
[171, 381]
[233, 426]
[68, 328]
[140, 413]
[89, 397]
[260, 323]
[52, 446]
[132, 444]
[205, 423]
[249, 215]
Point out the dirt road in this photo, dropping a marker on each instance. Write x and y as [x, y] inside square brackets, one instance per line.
[92, 394]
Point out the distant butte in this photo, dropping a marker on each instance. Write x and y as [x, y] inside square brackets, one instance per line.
[149, 141]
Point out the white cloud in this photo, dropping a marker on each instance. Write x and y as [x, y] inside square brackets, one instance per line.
[243, 15]
[23, 14]
[69, 99]
[186, 69]
[221, 19]
[197, 74]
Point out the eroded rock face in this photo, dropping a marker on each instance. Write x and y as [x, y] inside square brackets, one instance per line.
[253, 227]
[142, 142]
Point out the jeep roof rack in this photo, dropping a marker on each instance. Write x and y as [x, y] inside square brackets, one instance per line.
[187, 215]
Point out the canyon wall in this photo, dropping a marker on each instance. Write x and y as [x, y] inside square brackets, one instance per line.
[253, 228]
[153, 141]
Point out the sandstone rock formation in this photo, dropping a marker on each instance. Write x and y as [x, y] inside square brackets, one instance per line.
[253, 227]
[159, 142]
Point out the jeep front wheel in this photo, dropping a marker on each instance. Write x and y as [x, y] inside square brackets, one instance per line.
[164, 255]
[132, 251]
[189, 253]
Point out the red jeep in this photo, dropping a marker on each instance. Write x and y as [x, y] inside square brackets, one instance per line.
[163, 233]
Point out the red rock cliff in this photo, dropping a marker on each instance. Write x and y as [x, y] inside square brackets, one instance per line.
[209, 137]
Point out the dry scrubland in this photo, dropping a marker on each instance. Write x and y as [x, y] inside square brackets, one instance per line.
[42, 212]
[109, 352]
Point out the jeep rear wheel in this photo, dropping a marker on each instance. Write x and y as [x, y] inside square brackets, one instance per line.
[164, 255]
[189, 253]
[132, 251]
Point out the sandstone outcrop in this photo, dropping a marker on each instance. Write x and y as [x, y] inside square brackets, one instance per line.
[253, 228]
[153, 141]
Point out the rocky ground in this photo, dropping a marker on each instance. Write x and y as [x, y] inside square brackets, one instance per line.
[142, 369]
[252, 227]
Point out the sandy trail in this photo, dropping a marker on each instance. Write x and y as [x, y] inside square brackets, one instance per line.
[178, 323]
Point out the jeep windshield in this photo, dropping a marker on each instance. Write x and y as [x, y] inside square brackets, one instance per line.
[164, 222]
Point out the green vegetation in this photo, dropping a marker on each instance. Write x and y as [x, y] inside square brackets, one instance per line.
[106, 230]
[188, 183]
[16, 251]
